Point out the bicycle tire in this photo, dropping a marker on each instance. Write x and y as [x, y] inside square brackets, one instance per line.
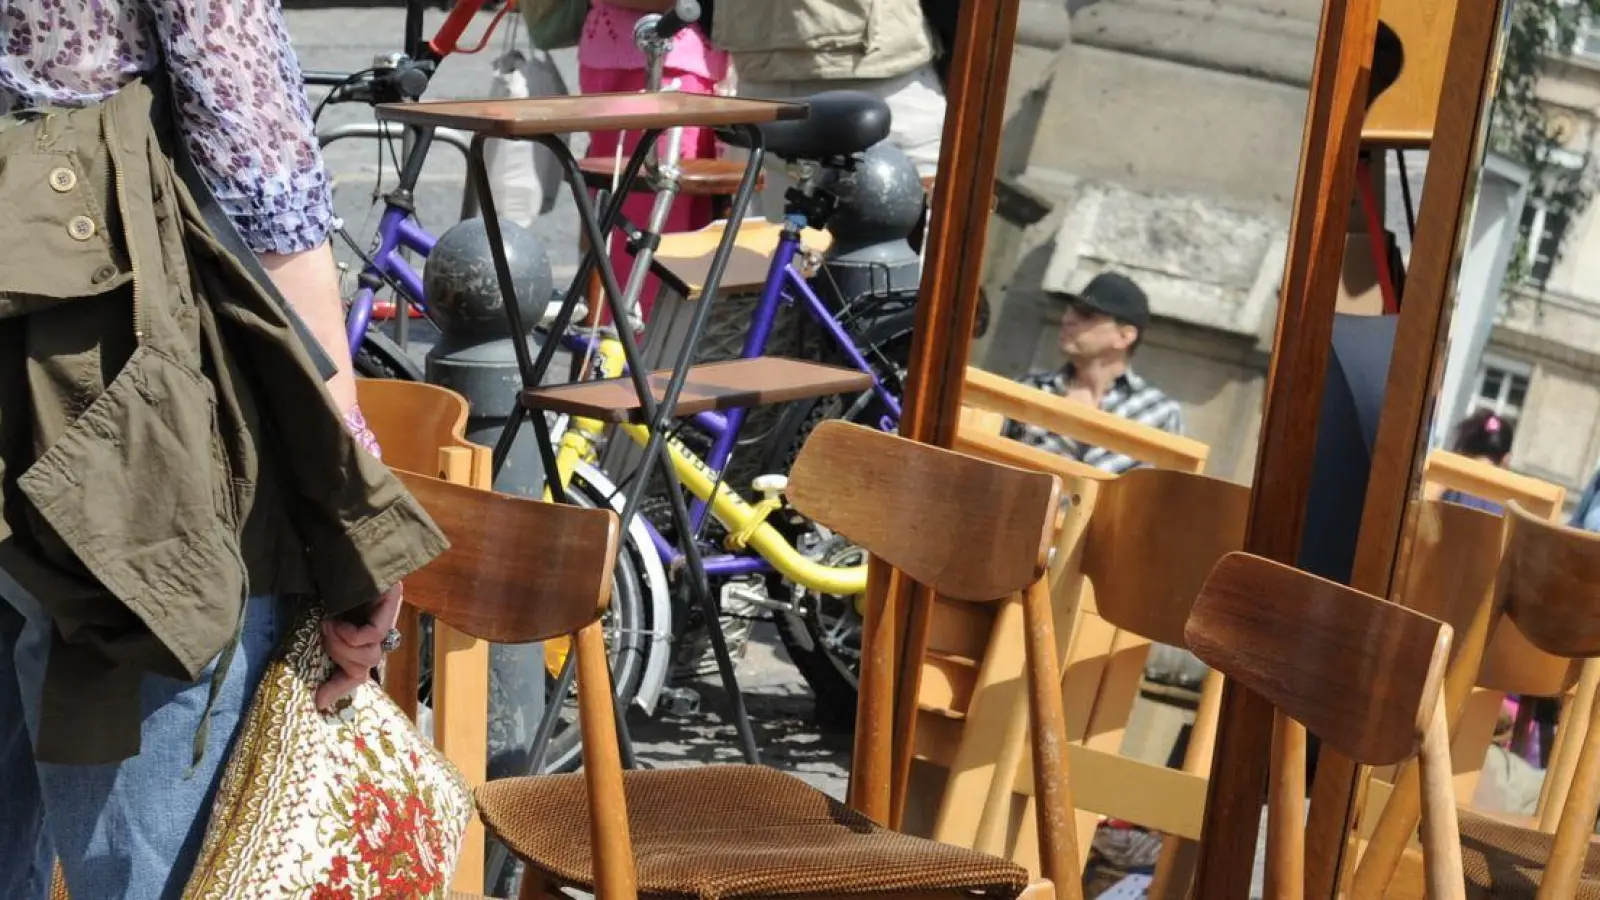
[832, 680]
[380, 357]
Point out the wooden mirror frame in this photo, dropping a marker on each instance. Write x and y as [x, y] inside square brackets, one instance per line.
[1389, 514]
[947, 310]
[957, 233]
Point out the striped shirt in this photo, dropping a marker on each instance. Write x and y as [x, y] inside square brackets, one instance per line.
[1130, 397]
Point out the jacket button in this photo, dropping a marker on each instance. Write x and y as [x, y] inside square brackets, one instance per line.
[103, 274]
[81, 228]
[63, 179]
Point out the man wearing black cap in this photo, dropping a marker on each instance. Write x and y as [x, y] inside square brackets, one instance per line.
[1100, 329]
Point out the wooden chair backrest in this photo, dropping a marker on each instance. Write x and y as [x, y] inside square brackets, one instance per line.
[988, 399]
[1551, 584]
[1154, 537]
[983, 536]
[1480, 479]
[1455, 559]
[413, 421]
[518, 571]
[974, 538]
[1362, 673]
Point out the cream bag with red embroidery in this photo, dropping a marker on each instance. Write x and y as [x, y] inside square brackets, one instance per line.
[351, 805]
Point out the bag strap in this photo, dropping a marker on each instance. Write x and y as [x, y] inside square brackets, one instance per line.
[221, 226]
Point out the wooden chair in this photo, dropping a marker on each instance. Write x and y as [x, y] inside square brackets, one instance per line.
[1454, 558]
[1548, 588]
[523, 571]
[1452, 573]
[740, 831]
[1112, 611]
[421, 429]
[1362, 673]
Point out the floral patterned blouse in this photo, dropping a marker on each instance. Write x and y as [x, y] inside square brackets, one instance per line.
[236, 80]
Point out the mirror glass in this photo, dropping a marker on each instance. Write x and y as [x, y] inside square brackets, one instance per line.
[1157, 144]
[1520, 387]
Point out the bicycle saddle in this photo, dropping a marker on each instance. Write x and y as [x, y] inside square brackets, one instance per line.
[839, 123]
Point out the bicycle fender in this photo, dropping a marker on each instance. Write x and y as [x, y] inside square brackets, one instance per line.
[658, 657]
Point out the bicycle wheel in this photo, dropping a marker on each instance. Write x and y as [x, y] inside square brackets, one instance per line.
[380, 357]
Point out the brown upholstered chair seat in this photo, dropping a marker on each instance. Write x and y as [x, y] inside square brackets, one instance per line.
[716, 832]
[1504, 861]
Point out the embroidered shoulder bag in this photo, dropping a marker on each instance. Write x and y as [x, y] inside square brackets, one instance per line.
[352, 805]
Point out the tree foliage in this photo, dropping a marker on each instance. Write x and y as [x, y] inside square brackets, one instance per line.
[1539, 33]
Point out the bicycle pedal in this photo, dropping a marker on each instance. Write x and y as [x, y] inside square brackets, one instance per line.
[681, 702]
[743, 598]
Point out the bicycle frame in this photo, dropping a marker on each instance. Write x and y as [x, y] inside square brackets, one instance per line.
[397, 231]
[701, 476]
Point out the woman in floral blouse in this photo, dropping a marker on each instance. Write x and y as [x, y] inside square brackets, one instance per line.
[132, 830]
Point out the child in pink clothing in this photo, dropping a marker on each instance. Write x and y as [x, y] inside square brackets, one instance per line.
[610, 62]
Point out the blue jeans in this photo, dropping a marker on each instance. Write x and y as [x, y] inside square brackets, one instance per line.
[129, 831]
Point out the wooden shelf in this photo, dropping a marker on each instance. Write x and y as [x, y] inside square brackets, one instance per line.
[709, 387]
[696, 177]
[687, 255]
[538, 116]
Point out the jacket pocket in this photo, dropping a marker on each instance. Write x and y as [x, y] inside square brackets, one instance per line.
[58, 230]
[131, 490]
[817, 25]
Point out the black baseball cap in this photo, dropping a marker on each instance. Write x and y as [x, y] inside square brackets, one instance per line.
[1116, 296]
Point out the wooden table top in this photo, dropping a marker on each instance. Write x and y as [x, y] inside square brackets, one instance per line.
[537, 116]
[708, 387]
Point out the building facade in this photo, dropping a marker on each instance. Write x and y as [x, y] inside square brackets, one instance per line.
[1541, 364]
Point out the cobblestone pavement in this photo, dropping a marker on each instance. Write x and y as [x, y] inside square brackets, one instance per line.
[346, 39]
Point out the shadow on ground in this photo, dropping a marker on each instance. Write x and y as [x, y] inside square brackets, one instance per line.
[782, 714]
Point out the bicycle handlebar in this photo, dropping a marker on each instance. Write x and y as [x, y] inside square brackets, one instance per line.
[682, 14]
[324, 79]
[448, 40]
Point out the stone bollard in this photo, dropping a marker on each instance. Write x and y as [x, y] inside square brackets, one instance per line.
[476, 358]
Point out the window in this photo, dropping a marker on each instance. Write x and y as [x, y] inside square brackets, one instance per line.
[1587, 44]
[1502, 387]
[1542, 232]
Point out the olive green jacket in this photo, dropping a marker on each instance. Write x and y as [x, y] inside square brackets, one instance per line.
[803, 40]
[166, 444]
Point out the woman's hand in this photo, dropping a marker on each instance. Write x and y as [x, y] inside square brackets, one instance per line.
[357, 649]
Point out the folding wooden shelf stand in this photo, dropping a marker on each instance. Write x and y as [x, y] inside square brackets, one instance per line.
[642, 397]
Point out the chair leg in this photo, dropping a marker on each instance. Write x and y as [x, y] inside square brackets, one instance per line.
[1039, 890]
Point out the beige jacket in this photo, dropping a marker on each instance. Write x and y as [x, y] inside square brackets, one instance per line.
[795, 40]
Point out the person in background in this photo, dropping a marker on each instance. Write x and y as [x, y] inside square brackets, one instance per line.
[1486, 437]
[610, 62]
[107, 764]
[793, 49]
[1100, 330]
